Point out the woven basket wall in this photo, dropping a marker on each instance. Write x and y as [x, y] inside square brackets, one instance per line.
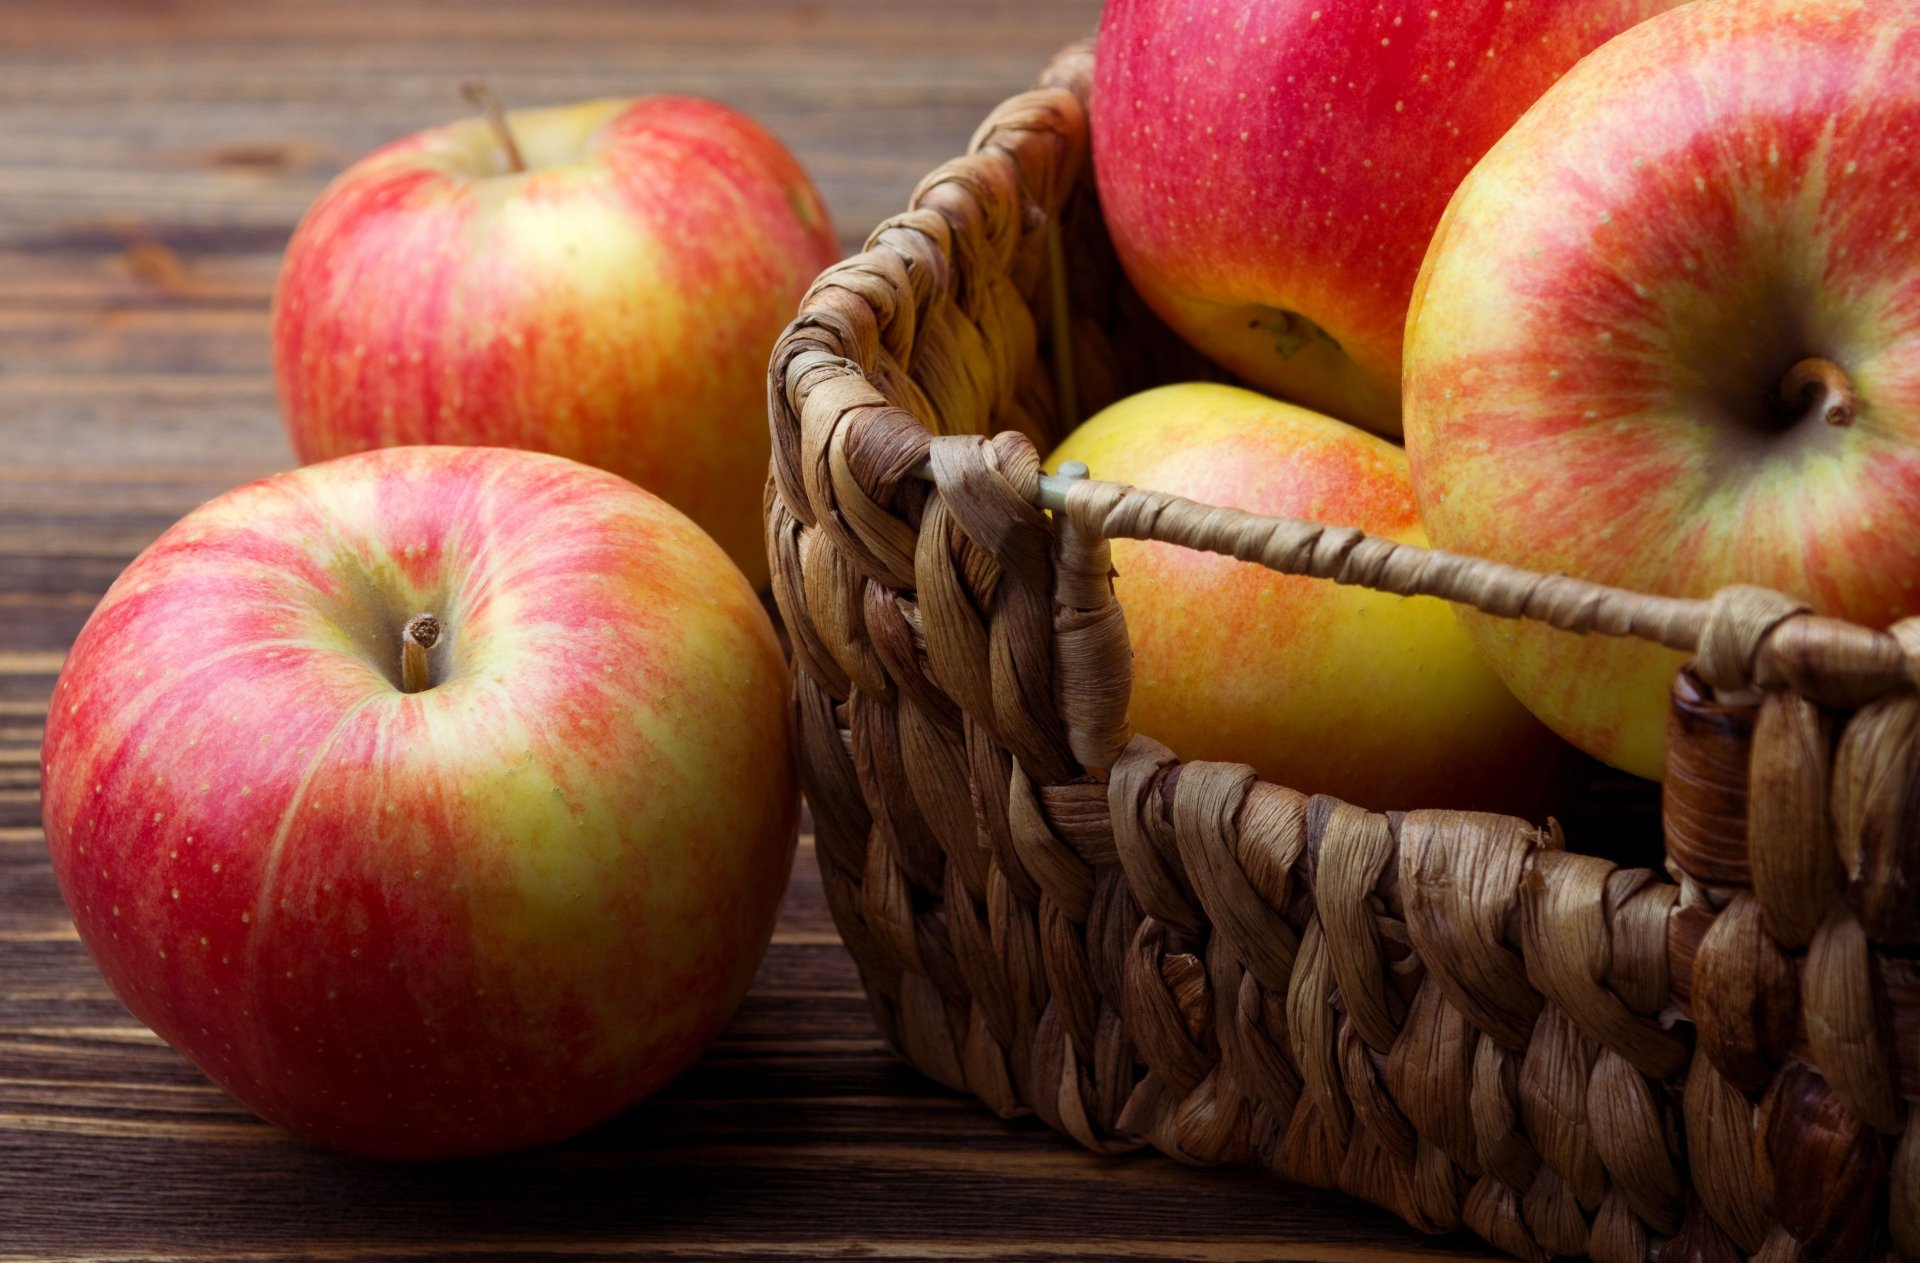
[1448, 1014]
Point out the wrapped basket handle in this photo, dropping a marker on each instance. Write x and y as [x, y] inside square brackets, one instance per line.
[1743, 637]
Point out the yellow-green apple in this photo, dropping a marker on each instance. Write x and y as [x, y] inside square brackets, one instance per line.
[1377, 699]
[466, 896]
[1668, 337]
[614, 302]
[1270, 172]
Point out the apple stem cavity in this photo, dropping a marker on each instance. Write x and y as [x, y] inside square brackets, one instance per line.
[1820, 383]
[481, 95]
[422, 632]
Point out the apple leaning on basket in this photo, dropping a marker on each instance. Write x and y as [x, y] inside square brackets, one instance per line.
[1639, 284]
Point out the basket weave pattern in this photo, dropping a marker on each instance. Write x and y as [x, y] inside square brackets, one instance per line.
[1446, 1013]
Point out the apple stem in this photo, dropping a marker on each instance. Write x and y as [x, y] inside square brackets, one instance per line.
[1820, 383]
[421, 633]
[481, 95]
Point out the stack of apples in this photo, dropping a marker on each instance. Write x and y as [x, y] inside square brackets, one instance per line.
[437, 798]
[1623, 289]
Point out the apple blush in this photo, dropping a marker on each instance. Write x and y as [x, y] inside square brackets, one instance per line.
[1668, 338]
[603, 281]
[434, 801]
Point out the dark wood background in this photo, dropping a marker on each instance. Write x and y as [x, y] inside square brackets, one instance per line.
[154, 155]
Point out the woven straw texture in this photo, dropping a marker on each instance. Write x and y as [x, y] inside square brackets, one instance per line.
[1445, 1013]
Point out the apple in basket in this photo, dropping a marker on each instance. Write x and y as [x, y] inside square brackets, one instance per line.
[1668, 337]
[1271, 172]
[434, 800]
[604, 281]
[1377, 699]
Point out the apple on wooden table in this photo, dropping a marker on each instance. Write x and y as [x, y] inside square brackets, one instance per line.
[1668, 337]
[434, 800]
[1377, 699]
[1271, 172]
[604, 281]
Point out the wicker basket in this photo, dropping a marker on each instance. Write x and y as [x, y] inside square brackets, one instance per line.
[1448, 1014]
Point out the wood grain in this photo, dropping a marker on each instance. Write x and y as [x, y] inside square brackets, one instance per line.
[154, 157]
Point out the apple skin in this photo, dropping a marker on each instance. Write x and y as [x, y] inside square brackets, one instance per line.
[1376, 699]
[470, 919]
[1608, 312]
[616, 303]
[1270, 173]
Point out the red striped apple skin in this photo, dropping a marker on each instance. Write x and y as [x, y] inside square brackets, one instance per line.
[616, 303]
[1259, 162]
[1604, 323]
[468, 919]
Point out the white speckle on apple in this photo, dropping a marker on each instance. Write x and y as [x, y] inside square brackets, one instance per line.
[176, 892]
[1399, 107]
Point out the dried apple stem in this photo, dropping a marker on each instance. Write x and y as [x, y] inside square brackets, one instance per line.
[1820, 383]
[481, 95]
[421, 633]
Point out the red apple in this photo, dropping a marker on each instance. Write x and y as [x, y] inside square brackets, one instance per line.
[1377, 699]
[473, 917]
[615, 302]
[1668, 337]
[1271, 172]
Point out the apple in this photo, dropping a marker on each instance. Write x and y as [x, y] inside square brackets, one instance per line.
[1270, 173]
[1668, 337]
[469, 895]
[614, 302]
[1376, 699]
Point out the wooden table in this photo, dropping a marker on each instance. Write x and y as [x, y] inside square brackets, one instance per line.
[154, 155]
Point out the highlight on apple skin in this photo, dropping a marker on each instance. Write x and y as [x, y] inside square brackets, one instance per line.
[420, 893]
[1270, 173]
[1667, 337]
[615, 302]
[1373, 698]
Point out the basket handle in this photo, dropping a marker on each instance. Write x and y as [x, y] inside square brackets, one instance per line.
[1743, 637]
